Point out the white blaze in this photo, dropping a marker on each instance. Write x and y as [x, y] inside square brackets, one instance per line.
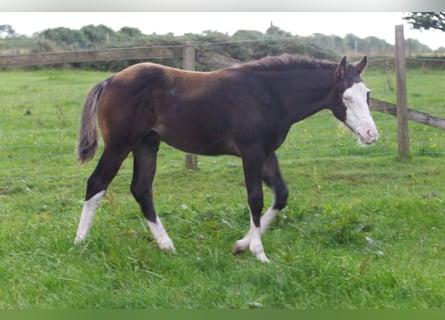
[358, 116]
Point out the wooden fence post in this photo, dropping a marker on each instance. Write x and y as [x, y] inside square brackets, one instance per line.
[188, 63]
[402, 109]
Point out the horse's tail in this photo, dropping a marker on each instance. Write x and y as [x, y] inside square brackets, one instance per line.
[87, 141]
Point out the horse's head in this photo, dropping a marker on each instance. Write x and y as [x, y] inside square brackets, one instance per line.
[351, 101]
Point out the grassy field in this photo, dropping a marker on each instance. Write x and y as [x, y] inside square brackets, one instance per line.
[363, 230]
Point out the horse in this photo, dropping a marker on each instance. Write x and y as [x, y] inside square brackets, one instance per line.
[245, 110]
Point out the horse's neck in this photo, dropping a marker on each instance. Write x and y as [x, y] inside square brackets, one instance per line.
[303, 93]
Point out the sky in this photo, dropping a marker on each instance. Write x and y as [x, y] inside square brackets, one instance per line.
[361, 24]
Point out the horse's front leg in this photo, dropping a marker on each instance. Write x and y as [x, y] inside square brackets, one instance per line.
[253, 166]
[272, 178]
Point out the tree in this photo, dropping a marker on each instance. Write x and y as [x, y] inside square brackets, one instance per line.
[426, 20]
[415, 46]
[327, 41]
[374, 44]
[351, 41]
[6, 31]
[248, 35]
[98, 34]
[62, 35]
[130, 32]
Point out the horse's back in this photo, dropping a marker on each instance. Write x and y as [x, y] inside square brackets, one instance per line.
[185, 108]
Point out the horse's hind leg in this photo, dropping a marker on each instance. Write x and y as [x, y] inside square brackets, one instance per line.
[98, 182]
[144, 169]
[273, 179]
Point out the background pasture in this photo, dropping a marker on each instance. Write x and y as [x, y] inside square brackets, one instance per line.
[362, 229]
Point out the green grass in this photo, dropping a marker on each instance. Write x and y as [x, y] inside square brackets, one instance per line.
[341, 195]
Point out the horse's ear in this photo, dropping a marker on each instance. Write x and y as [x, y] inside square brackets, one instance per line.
[341, 69]
[361, 66]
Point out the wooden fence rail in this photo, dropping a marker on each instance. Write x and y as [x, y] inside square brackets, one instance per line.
[413, 115]
[142, 53]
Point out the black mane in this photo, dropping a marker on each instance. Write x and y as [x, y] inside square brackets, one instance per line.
[285, 62]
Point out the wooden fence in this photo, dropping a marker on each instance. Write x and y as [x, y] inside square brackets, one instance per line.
[190, 55]
[142, 53]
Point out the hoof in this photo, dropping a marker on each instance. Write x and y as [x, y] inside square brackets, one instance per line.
[256, 247]
[240, 246]
[167, 244]
[262, 257]
[78, 240]
[236, 249]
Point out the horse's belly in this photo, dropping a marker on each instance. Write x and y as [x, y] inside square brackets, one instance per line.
[199, 144]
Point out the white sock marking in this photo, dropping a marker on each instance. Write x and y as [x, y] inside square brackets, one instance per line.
[252, 239]
[86, 218]
[267, 218]
[160, 235]
[256, 246]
